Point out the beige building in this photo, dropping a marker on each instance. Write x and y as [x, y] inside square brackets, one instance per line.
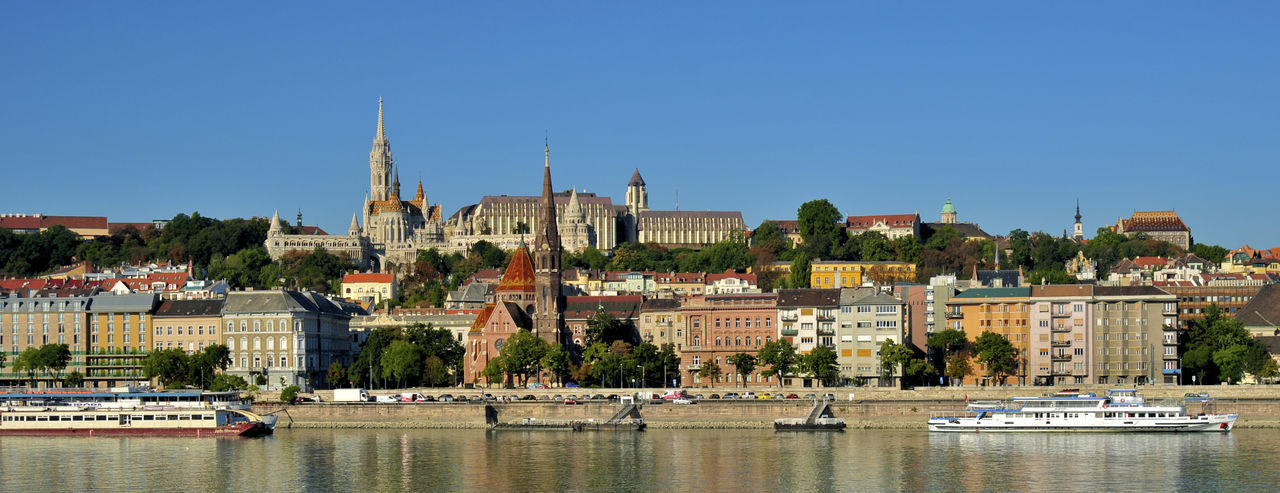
[1159, 225]
[189, 325]
[285, 337]
[866, 319]
[1131, 342]
[375, 287]
[661, 322]
[33, 322]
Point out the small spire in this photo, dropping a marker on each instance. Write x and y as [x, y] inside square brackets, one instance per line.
[547, 150]
[275, 221]
[355, 226]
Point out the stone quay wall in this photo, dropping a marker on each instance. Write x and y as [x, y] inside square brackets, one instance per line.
[860, 407]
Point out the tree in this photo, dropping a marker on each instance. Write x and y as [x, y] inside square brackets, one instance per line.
[894, 356]
[769, 237]
[169, 366]
[403, 361]
[521, 228]
[493, 371]
[997, 353]
[605, 327]
[223, 382]
[522, 355]
[821, 364]
[958, 367]
[710, 371]
[800, 271]
[337, 375]
[780, 356]
[820, 226]
[73, 379]
[743, 365]
[289, 394]
[669, 361]
[54, 357]
[944, 344]
[435, 373]
[557, 361]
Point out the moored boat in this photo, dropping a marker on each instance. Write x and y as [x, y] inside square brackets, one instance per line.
[88, 413]
[1122, 410]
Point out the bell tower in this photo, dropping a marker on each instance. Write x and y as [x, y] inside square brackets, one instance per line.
[548, 306]
[381, 163]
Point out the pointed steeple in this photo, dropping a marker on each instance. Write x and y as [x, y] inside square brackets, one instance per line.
[420, 196]
[1077, 210]
[355, 226]
[395, 187]
[549, 312]
[636, 180]
[275, 222]
[574, 207]
[382, 129]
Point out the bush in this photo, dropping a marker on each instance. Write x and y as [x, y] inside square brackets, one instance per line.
[289, 393]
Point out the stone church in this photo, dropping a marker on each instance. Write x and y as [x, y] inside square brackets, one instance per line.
[394, 228]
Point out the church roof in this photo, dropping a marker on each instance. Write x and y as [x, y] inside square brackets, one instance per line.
[636, 180]
[948, 208]
[519, 274]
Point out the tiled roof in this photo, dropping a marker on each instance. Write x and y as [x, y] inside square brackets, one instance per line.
[692, 214]
[1059, 290]
[749, 278]
[967, 230]
[660, 304]
[1129, 291]
[519, 273]
[1263, 310]
[1154, 221]
[891, 220]
[808, 297]
[123, 303]
[976, 293]
[679, 277]
[1145, 262]
[378, 278]
[190, 308]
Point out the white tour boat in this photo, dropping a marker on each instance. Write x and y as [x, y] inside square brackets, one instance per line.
[1120, 410]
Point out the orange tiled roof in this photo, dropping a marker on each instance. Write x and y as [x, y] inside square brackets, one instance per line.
[519, 274]
[382, 278]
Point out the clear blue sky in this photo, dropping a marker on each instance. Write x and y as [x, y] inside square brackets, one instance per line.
[142, 110]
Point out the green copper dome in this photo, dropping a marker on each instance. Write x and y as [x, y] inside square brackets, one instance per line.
[948, 208]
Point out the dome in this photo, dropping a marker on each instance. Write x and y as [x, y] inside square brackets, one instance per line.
[948, 208]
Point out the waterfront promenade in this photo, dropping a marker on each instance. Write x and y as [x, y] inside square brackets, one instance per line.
[863, 407]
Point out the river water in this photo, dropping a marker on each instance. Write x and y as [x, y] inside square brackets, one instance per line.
[655, 460]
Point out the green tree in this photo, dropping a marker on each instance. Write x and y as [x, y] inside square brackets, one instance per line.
[800, 271]
[367, 367]
[710, 371]
[494, 371]
[781, 358]
[669, 362]
[289, 394]
[558, 362]
[894, 356]
[337, 375]
[907, 249]
[521, 228]
[435, 373]
[821, 227]
[997, 353]
[169, 366]
[944, 344]
[821, 364]
[403, 361]
[73, 379]
[522, 355]
[607, 328]
[958, 367]
[769, 237]
[743, 365]
[223, 382]
[1212, 253]
[54, 357]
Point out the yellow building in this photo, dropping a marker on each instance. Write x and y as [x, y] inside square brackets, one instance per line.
[1004, 311]
[118, 329]
[832, 274]
[33, 322]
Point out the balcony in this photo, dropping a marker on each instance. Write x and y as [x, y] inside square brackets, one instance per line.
[826, 332]
[826, 318]
[1061, 357]
[955, 314]
[1060, 313]
[789, 332]
[788, 317]
[1061, 328]
[1060, 343]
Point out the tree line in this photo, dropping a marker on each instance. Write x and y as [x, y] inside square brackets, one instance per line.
[398, 357]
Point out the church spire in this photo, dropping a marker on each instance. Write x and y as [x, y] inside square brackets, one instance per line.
[549, 311]
[355, 226]
[382, 129]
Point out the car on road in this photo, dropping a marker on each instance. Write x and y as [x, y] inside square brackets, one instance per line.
[446, 398]
[714, 396]
[792, 396]
[682, 400]
[571, 401]
[536, 385]
[386, 398]
[809, 396]
[528, 397]
[730, 395]
[764, 396]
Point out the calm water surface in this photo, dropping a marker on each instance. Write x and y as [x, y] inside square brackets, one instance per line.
[656, 460]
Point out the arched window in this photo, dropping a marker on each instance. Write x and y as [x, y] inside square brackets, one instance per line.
[717, 341]
[257, 326]
[231, 344]
[244, 343]
[271, 325]
[244, 326]
[257, 343]
[284, 344]
[231, 326]
[737, 341]
[271, 344]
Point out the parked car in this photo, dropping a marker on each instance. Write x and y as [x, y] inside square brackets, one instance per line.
[462, 398]
[428, 398]
[571, 402]
[714, 396]
[557, 397]
[571, 385]
[810, 396]
[792, 396]
[446, 398]
[731, 395]
[528, 397]
[764, 396]
[387, 398]
[598, 397]
[682, 400]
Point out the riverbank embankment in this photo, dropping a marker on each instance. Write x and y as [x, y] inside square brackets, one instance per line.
[862, 408]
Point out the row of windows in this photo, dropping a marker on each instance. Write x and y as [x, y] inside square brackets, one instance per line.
[257, 326]
[44, 328]
[738, 322]
[257, 343]
[197, 330]
[1140, 365]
